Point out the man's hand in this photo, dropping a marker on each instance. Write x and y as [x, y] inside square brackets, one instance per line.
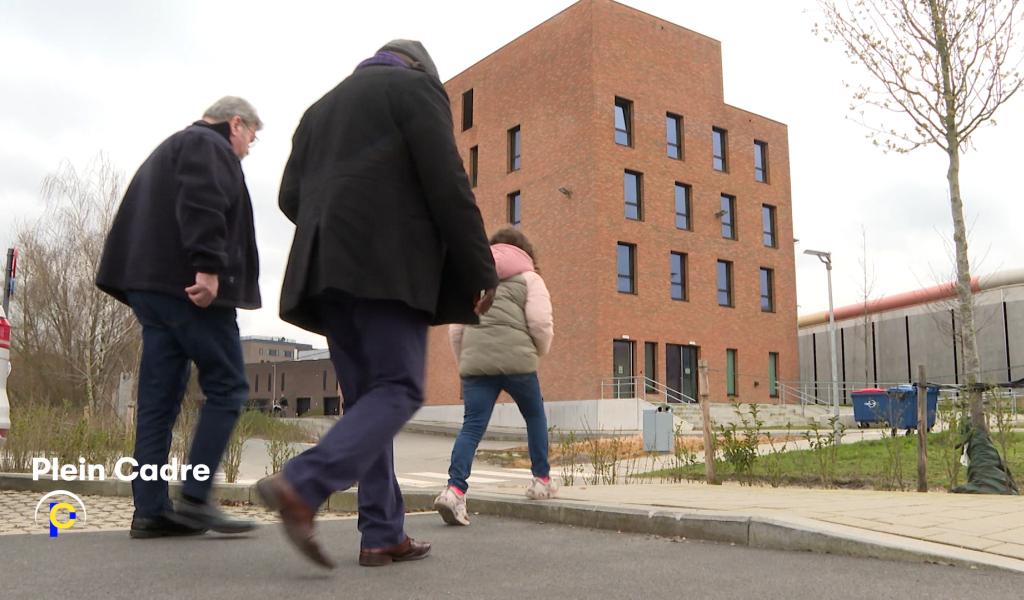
[204, 292]
[484, 301]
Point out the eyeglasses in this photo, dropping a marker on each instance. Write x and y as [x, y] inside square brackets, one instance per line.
[252, 131]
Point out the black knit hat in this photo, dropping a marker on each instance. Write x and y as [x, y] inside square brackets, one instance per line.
[414, 50]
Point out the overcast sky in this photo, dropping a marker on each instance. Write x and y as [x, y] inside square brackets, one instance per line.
[78, 78]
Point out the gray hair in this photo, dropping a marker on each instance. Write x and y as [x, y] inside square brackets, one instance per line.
[233, 106]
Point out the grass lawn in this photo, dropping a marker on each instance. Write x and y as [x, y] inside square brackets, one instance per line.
[869, 465]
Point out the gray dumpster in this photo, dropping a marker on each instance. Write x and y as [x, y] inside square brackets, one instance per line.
[658, 431]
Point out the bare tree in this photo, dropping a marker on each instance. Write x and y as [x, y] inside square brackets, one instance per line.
[945, 66]
[72, 340]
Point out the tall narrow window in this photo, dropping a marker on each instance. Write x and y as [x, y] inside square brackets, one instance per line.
[623, 122]
[682, 206]
[724, 277]
[515, 214]
[651, 365]
[474, 165]
[467, 109]
[768, 226]
[325, 381]
[632, 184]
[674, 135]
[626, 265]
[761, 161]
[282, 382]
[719, 147]
[773, 374]
[677, 275]
[514, 149]
[730, 372]
[728, 217]
[767, 290]
[256, 383]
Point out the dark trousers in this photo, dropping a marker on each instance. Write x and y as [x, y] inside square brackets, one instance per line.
[378, 348]
[176, 333]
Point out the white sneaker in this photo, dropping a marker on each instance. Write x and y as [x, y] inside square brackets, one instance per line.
[452, 507]
[539, 490]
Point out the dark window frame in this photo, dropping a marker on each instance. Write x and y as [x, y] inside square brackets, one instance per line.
[766, 286]
[515, 149]
[630, 276]
[727, 204]
[467, 109]
[761, 170]
[769, 226]
[515, 208]
[720, 162]
[687, 215]
[638, 206]
[728, 289]
[681, 284]
[474, 165]
[731, 371]
[773, 374]
[651, 365]
[626, 131]
[674, 124]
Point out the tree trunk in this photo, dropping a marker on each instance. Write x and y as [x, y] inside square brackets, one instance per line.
[972, 365]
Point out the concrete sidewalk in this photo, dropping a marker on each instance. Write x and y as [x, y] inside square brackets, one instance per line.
[936, 526]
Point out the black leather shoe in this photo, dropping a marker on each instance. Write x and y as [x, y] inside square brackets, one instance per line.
[207, 516]
[167, 524]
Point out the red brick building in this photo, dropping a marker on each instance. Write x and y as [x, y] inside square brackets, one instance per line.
[661, 215]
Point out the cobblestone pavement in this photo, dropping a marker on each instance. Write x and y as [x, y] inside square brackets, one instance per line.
[104, 513]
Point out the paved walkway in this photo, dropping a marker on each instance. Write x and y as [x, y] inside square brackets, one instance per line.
[990, 524]
[105, 513]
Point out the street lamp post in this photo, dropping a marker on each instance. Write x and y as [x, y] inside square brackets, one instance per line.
[826, 258]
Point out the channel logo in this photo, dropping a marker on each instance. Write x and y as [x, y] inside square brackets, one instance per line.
[54, 509]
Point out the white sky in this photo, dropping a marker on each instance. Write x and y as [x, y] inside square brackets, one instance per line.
[78, 78]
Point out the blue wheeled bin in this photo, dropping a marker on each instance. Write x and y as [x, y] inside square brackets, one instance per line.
[870, 405]
[903, 402]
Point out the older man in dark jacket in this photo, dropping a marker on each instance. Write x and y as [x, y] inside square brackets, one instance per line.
[182, 253]
[388, 240]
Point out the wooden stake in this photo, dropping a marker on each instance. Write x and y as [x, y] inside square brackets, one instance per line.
[709, 438]
[922, 430]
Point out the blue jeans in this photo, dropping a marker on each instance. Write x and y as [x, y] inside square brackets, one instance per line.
[479, 395]
[176, 333]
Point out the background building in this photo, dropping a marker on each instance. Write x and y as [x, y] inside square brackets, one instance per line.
[661, 215]
[294, 388]
[882, 342]
[256, 349]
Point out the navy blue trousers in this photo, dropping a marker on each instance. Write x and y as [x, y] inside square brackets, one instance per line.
[378, 348]
[176, 333]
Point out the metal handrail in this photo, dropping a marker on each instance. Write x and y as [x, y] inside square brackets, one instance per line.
[636, 386]
[671, 395]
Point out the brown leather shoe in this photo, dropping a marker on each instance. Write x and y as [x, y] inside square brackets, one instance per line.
[277, 494]
[410, 549]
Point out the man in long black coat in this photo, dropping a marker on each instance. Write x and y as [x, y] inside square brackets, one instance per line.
[388, 241]
[182, 253]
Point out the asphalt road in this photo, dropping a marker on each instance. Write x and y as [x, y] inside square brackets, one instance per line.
[493, 558]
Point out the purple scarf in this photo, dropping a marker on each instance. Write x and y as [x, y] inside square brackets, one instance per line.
[383, 58]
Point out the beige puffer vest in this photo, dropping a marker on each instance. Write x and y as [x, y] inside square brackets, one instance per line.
[501, 343]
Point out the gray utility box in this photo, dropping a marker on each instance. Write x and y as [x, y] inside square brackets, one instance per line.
[658, 431]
